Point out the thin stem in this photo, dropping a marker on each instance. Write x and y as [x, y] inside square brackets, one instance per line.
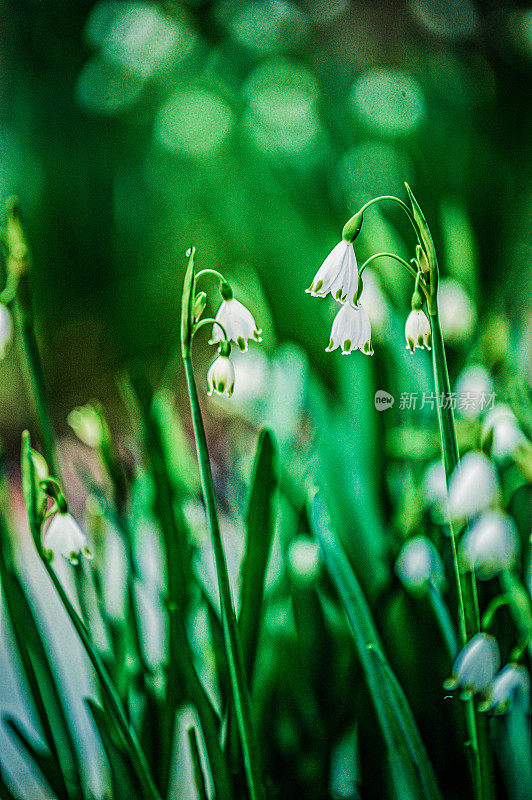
[25, 320]
[138, 758]
[233, 646]
[402, 261]
[394, 199]
[210, 321]
[199, 777]
[466, 584]
[214, 272]
[441, 612]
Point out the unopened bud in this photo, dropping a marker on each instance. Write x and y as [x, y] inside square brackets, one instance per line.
[352, 227]
[199, 305]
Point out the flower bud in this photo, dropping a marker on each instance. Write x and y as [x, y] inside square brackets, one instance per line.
[221, 374]
[200, 302]
[491, 545]
[87, 424]
[473, 486]
[509, 690]
[419, 564]
[417, 330]
[422, 259]
[475, 666]
[352, 227]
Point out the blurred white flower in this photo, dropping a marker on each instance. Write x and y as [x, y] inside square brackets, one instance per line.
[435, 490]
[374, 301]
[304, 560]
[473, 487]
[475, 384]
[6, 329]
[338, 274]
[417, 331]
[491, 545]
[351, 330]
[238, 322]
[419, 564]
[475, 665]
[510, 689]
[221, 376]
[86, 424]
[501, 423]
[456, 310]
[63, 535]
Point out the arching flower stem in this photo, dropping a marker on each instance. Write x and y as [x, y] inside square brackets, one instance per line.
[210, 321]
[409, 267]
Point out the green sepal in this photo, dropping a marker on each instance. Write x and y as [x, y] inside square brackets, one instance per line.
[187, 306]
[30, 491]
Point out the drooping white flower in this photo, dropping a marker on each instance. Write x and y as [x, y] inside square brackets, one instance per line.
[64, 536]
[351, 330]
[419, 564]
[473, 487]
[501, 423]
[304, 560]
[491, 545]
[238, 322]
[6, 329]
[435, 490]
[475, 665]
[221, 376]
[456, 310]
[510, 689]
[338, 274]
[417, 331]
[473, 389]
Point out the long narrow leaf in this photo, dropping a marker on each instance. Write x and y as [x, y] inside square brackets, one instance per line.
[411, 769]
[41, 758]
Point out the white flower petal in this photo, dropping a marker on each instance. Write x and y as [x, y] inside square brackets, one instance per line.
[338, 274]
[491, 545]
[64, 536]
[473, 486]
[476, 664]
[238, 322]
[221, 376]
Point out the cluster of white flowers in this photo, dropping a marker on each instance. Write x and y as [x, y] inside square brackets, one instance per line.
[239, 324]
[351, 329]
[338, 276]
[476, 671]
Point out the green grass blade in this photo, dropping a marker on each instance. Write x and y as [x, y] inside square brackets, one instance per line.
[41, 757]
[260, 527]
[122, 780]
[411, 767]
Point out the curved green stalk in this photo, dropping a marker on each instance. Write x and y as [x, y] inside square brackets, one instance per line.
[138, 759]
[402, 261]
[466, 584]
[233, 645]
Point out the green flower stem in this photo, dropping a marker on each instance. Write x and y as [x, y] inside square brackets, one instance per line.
[213, 272]
[443, 617]
[138, 759]
[393, 199]
[230, 628]
[25, 320]
[466, 585]
[210, 321]
[405, 264]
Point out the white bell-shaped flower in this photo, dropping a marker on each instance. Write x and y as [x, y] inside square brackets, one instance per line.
[501, 424]
[491, 545]
[338, 275]
[418, 565]
[239, 324]
[475, 665]
[221, 376]
[6, 329]
[417, 331]
[510, 689]
[64, 536]
[456, 310]
[435, 490]
[351, 330]
[473, 487]
[473, 390]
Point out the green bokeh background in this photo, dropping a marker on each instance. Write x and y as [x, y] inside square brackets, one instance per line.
[253, 130]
